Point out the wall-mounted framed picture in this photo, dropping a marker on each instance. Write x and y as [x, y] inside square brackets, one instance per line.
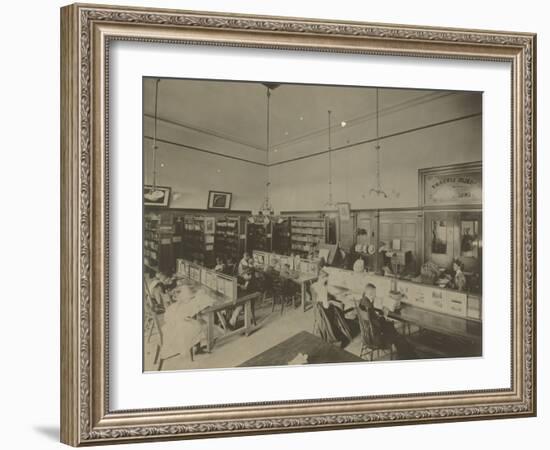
[220, 201]
[156, 195]
[344, 211]
[112, 393]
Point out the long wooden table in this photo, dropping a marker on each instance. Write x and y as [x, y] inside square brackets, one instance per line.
[317, 350]
[429, 320]
[302, 280]
[439, 322]
[222, 303]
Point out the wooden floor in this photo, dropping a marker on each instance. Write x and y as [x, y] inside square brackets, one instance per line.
[233, 351]
[276, 328]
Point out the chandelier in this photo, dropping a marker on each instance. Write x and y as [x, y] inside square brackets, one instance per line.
[155, 194]
[378, 191]
[266, 208]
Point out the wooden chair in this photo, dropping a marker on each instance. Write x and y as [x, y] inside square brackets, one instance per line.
[278, 293]
[371, 339]
[151, 320]
[267, 286]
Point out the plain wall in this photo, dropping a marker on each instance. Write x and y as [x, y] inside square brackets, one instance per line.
[303, 184]
[440, 128]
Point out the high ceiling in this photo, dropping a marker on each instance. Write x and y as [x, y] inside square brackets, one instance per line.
[236, 111]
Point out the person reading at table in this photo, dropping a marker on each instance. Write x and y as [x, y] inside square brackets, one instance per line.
[246, 284]
[158, 286]
[244, 263]
[383, 328]
[220, 265]
[330, 322]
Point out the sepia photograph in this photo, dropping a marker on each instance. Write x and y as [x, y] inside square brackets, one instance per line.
[295, 224]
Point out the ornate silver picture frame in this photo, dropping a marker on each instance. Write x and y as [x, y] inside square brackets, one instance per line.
[87, 32]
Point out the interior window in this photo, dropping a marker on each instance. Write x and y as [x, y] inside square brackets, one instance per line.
[439, 236]
[469, 238]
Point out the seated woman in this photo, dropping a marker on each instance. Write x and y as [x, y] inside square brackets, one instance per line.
[157, 287]
[244, 263]
[459, 279]
[359, 265]
[383, 328]
[184, 328]
[220, 265]
[330, 322]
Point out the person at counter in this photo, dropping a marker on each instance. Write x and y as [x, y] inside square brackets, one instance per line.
[359, 265]
[384, 329]
[459, 279]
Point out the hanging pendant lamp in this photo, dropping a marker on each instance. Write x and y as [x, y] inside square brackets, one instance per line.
[378, 191]
[155, 194]
[266, 208]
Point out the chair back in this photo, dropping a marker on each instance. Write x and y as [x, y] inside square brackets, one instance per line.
[278, 285]
[267, 282]
[369, 336]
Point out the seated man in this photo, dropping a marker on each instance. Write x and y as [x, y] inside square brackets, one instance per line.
[383, 328]
[244, 263]
[246, 284]
[229, 268]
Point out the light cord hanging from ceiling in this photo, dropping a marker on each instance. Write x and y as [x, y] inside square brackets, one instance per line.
[330, 202]
[378, 191]
[155, 147]
[267, 204]
[266, 207]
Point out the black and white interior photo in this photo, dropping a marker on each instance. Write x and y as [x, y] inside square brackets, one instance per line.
[290, 224]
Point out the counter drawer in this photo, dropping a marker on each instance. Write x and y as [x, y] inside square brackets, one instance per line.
[456, 304]
[436, 301]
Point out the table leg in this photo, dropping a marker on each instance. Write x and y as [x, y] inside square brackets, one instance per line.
[209, 331]
[247, 317]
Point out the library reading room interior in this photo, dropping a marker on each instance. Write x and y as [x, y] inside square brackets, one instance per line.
[293, 224]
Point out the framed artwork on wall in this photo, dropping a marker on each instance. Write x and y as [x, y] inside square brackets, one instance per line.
[109, 396]
[156, 195]
[220, 201]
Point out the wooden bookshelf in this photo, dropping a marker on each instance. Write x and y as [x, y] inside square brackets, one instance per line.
[158, 250]
[258, 235]
[307, 232]
[281, 236]
[198, 239]
[229, 239]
